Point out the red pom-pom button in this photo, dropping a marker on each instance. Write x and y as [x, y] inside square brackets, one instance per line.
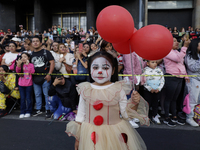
[98, 120]
[98, 106]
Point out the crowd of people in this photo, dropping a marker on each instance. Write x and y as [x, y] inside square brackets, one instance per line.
[44, 70]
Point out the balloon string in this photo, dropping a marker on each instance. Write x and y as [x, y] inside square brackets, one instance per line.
[133, 85]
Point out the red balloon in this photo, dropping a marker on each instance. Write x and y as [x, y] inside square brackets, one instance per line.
[123, 47]
[152, 42]
[115, 24]
[134, 30]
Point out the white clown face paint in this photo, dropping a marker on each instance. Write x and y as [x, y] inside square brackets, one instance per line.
[101, 70]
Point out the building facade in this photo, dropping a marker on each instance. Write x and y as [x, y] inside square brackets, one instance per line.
[42, 14]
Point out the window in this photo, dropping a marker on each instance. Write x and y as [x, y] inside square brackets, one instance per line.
[31, 23]
[71, 20]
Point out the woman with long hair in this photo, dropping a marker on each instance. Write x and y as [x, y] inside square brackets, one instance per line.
[192, 62]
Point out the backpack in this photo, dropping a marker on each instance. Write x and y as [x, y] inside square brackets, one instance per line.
[197, 113]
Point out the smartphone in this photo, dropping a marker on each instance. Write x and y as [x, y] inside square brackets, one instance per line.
[72, 45]
[80, 46]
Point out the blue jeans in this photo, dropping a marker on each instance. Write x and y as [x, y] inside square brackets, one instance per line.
[25, 96]
[38, 94]
[57, 108]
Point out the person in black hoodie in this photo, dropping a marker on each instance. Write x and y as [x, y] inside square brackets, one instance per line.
[62, 96]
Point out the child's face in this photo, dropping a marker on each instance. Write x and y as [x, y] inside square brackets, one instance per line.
[152, 64]
[108, 47]
[24, 58]
[93, 47]
[101, 70]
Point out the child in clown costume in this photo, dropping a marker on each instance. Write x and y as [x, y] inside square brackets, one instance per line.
[98, 125]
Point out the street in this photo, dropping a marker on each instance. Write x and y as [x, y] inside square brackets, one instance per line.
[36, 133]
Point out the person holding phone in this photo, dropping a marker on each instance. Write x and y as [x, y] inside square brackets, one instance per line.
[62, 96]
[80, 63]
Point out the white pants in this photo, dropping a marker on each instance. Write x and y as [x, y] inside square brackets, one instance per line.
[194, 90]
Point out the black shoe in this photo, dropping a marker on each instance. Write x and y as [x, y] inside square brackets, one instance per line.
[3, 113]
[48, 114]
[178, 121]
[182, 115]
[36, 113]
[168, 122]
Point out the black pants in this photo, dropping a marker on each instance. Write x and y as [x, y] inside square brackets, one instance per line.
[173, 87]
[152, 99]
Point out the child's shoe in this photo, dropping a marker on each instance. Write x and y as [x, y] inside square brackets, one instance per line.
[21, 116]
[133, 124]
[156, 119]
[27, 115]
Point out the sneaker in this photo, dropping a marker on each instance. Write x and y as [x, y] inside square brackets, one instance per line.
[178, 121]
[168, 122]
[27, 115]
[182, 115]
[136, 120]
[3, 113]
[133, 124]
[191, 122]
[48, 114]
[156, 119]
[36, 113]
[21, 116]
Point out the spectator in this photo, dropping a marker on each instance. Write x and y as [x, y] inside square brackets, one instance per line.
[54, 51]
[1, 33]
[182, 31]
[59, 30]
[76, 37]
[193, 68]
[9, 32]
[9, 57]
[170, 29]
[9, 84]
[17, 41]
[174, 66]
[82, 33]
[43, 62]
[66, 59]
[175, 31]
[152, 87]
[80, 63]
[62, 96]
[27, 46]
[25, 84]
[94, 47]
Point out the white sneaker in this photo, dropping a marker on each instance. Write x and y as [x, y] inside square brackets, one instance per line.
[27, 115]
[21, 116]
[133, 124]
[136, 120]
[156, 119]
[192, 122]
[158, 115]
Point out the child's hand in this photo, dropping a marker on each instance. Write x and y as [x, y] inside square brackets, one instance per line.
[135, 96]
[76, 145]
[156, 91]
[19, 62]
[27, 61]
[152, 91]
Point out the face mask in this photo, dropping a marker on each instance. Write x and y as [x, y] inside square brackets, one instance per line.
[101, 70]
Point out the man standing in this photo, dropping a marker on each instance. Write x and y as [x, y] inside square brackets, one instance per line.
[43, 63]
